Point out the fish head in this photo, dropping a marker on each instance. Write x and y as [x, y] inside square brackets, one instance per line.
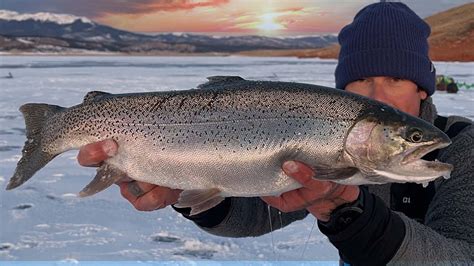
[389, 148]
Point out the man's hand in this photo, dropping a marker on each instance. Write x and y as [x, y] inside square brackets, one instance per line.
[318, 197]
[143, 196]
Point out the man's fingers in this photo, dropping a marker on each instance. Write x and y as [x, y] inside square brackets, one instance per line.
[305, 176]
[276, 202]
[148, 197]
[299, 171]
[157, 198]
[93, 154]
[133, 190]
[273, 201]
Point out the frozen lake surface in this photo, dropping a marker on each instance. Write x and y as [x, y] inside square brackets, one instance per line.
[44, 220]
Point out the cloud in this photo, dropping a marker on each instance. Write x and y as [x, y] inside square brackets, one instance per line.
[216, 15]
[182, 5]
[274, 19]
[98, 8]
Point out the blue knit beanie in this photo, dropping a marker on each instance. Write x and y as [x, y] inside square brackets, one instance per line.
[386, 39]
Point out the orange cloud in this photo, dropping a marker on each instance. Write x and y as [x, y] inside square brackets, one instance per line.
[173, 5]
[277, 19]
[238, 16]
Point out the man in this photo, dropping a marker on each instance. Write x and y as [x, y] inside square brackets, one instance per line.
[384, 56]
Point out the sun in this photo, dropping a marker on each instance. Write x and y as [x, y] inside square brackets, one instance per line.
[268, 23]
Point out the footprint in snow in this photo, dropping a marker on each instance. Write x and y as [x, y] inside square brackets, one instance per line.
[23, 206]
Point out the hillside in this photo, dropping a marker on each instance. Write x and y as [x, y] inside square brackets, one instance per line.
[452, 34]
[451, 39]
[65, 34]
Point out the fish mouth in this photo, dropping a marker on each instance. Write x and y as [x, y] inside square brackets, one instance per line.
[416, 153]
[414, 169]
[419, 171]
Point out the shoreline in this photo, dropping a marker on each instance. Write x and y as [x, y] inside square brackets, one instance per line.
[105, 54]
[296, 53]
[299, 53]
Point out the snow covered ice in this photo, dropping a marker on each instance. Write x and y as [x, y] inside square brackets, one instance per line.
[44, 220]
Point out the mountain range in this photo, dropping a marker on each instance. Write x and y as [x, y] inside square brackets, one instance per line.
[62, 33]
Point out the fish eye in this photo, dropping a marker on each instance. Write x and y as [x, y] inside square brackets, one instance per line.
[415, 136]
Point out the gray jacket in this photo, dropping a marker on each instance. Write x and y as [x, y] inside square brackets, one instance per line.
[447, 235]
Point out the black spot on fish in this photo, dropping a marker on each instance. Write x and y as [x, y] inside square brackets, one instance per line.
[181, 103]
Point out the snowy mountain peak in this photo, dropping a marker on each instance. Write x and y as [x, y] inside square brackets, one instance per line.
[43, 17]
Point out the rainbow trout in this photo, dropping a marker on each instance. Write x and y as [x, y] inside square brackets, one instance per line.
[230, 137]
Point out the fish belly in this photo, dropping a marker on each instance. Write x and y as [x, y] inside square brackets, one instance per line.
[246, 162]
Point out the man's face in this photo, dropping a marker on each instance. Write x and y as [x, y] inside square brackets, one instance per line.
[399, 93]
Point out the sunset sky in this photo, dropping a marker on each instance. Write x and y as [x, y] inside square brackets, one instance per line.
[226, 17]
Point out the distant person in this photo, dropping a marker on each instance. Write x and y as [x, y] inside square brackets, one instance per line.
[441, 83]
[384, 56]
[452, 87]
[446, 83]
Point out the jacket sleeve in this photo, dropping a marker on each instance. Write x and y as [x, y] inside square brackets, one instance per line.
[381, 236]
[371, 239]
[448, 232]
[242, 217]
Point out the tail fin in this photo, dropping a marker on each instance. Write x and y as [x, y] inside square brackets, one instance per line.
[33, 157]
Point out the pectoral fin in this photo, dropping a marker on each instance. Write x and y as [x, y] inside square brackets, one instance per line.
[199, 200]
[334, 174]
[105, 177]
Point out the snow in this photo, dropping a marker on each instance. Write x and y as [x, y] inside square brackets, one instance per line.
[43, 17]
[179, 34]
[44, 220]
[96, 38]
[24, 41]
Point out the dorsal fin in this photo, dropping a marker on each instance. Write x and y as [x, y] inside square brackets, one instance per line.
[93, 96]
[213, 80]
